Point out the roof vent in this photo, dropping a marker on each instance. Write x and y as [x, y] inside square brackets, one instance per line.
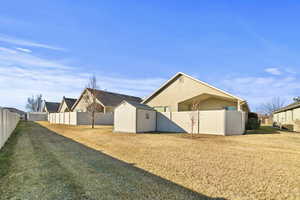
[181, 80]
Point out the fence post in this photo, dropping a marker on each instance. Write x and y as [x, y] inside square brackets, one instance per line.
[1, 128]
[198, 121]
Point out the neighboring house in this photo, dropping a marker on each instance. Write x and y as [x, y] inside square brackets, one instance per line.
[288, 114]
[181, 92]
[66, 105]
[50, 107]
[107, 100]
[265, 119]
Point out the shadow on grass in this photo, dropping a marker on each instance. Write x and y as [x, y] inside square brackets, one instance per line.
[264, 130]
[144, 185]
[8, 149]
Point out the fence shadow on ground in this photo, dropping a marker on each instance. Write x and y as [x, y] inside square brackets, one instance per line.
[150, 185]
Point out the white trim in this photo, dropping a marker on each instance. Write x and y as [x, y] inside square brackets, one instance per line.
[204, 83]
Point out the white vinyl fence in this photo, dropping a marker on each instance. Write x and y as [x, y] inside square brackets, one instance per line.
[8, 122]
[37, 116]
[217, 122]
[80, 118]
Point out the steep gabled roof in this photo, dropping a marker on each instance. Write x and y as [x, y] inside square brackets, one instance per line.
[109, 98]
[183, 74]
[69, 102]
[52, 106]
[289, 107]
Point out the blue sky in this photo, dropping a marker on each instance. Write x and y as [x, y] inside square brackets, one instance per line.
[250, 49]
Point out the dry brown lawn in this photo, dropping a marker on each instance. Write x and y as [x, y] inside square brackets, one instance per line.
[254, 166]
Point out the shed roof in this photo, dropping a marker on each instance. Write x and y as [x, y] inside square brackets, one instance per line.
[139, 105]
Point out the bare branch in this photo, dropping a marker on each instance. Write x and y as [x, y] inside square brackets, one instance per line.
[92, 105]
[269, 107]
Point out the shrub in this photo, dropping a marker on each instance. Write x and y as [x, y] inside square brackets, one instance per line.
[252, 124]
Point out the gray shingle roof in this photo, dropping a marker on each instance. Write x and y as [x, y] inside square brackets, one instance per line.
[139, 105]
[113, 99]
[70, 102]
[289, 107]
[52, 106]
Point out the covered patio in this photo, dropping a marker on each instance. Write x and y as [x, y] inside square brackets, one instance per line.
[207, 101]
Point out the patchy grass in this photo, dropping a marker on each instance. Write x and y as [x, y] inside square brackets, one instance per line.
[261, 165]
[7, 151]
[45, 165]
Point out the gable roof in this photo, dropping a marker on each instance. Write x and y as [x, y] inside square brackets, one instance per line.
[183, 74]
[52, 106]
[69, 102]
[109, 98]
[139, 105]
[288, 107]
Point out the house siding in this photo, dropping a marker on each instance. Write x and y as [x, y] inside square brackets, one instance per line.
[63, 107]
[183, 88]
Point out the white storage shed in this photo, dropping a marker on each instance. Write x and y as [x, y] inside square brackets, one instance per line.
[133, 117]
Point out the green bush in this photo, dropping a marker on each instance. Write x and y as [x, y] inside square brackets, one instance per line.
[253, 124]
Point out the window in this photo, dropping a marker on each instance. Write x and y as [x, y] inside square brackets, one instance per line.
[162, 108]
[147, 116]
[230, 108]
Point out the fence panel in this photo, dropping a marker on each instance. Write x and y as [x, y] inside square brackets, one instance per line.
[37, 116]
[8, 122]
[217, 122]
[81, 118]
[235, 122]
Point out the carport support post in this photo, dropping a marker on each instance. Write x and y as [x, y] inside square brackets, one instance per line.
[239, 105]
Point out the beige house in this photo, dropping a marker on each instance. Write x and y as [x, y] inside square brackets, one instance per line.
[289, 115]
[66, 105]
[107, 101]
[182, 92]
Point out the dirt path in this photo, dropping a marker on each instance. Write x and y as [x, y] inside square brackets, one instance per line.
[45, 165]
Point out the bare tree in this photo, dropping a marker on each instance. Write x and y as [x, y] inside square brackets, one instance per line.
[34, 103]
[91, 101]
[274, 104]
[194, 114]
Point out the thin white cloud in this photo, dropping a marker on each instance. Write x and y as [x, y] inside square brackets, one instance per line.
[258, 90]
[23, 74]
[24, 50]
[10, 57]
[273, 71]
[17, 83]
[12, 40]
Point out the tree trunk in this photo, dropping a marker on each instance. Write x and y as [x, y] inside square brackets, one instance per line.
[93, 119]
